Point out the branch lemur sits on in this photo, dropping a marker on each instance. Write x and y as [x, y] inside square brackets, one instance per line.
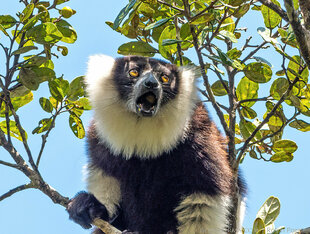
[157, 163]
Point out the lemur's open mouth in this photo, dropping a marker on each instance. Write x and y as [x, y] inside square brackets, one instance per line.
[146, 104]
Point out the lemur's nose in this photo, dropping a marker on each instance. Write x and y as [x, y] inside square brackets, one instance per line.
[151, 82]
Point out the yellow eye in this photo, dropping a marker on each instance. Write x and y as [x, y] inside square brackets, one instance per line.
[133, 73]
[165, 78]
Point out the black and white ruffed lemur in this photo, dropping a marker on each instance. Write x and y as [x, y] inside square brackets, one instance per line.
[157, 163]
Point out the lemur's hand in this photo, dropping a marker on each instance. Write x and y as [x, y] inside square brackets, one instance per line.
[84, 208]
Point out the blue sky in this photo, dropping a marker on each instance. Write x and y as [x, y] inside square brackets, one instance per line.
[31, 212]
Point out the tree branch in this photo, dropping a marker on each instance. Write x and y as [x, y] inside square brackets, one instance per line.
[275, 8]
[169, 5]
[9, 164]
[271, 113]
[15, 190]
[301, 33]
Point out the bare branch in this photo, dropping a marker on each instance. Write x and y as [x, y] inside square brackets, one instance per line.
[301, 33]
[15, 190]
[254, 100]
[276, 8]
[9, 164]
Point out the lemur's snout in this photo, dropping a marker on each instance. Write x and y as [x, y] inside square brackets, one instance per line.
[150, 82]
[148, 98]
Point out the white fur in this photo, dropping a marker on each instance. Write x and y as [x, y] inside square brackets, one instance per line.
[240, 214]
[105, 188]
[202, 214]
[123, 130]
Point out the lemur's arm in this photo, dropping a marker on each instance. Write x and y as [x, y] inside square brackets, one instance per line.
[102, 201]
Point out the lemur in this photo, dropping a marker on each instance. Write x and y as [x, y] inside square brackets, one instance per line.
[157, 163]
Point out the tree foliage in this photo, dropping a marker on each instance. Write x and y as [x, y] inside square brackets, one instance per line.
[183, 32]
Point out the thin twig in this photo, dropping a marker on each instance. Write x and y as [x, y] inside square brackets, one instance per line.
[15, 190]
[9, 164]
[254, 100]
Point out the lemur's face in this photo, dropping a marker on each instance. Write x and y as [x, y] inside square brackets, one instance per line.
[145, 84]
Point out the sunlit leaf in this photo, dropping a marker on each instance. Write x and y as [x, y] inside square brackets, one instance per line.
[46, 104]
[27, 12]
[247, 112]
[247, 89]
[258, 72]
[259, 226]
[123, 13]
[271, 18]
[137, 48]
[157, 23]
[44, 33]
[76, 126]
[218, 88]
[24, 49]
[285, 145]
[300, 125]
[14, 132]
[281, 156]
[43, 126]
[7, 21]
[76, 89]
[69, 35]
[269, 210]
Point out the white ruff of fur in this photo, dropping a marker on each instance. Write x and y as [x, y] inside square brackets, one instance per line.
[202, 214]
[105, 188]
[125, 132]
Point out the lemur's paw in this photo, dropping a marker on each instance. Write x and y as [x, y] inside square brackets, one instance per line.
[84, 208]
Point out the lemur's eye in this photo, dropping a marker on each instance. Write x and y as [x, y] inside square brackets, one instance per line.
[165, 78]
[133, 73]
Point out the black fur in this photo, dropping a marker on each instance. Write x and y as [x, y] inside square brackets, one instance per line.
[152, 189]
[84, 208]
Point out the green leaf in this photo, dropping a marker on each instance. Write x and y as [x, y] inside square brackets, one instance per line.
[278, 230]
[76, 89]
[167, 51]
[258, 72]
[284, 145]
[14, 132]
[278, 88]
[32, 21]
[43, 126]
[157, 23]
[123, 13]
[76, 126]
[259, 226]
[247, 128]
[24, 49]
[69, 35]
[269, 210]
[3, 30]
[218, 88]
[59, 88]
[249, 113]
[242, 10]
[46, 33]
[247, 89]
[300, 125]
[137, 48]
[253, 154]
[293, 70]
[46, 104]
[229, 35]
[7, 21]
[203, 18]
[31, 77]
[234, 53]
[167, 42]
[271, 18]
[262, 60]
[82, 103]
[27, 12]
[281, 156]
[63, 49]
